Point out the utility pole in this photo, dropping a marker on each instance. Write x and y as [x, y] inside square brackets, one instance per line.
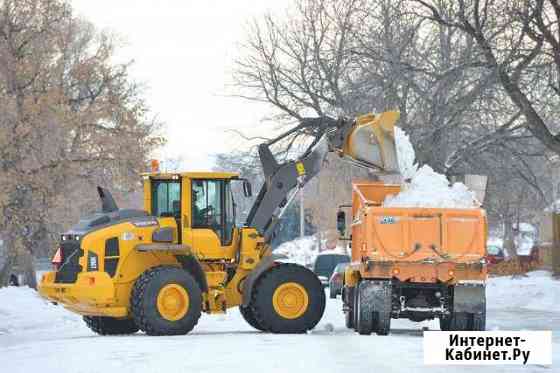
[556, 244]
[301, 214]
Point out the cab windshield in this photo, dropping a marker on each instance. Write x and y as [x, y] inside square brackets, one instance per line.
[166, 198]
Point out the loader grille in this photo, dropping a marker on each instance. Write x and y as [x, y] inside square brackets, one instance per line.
[71, 253]
[111, 256]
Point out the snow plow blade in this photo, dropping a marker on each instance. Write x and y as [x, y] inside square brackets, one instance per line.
[371, 141]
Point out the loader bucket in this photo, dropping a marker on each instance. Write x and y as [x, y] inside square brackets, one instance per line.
[372, 141]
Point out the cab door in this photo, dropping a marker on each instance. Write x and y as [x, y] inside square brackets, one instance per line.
[212, 219]
[165, 200]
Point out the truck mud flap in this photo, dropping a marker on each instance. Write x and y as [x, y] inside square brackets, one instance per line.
[469, 298]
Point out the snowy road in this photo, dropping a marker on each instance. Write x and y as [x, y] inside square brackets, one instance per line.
[37, 336]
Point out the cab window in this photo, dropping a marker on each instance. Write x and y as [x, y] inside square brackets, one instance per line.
[212, 208]
[166, 198]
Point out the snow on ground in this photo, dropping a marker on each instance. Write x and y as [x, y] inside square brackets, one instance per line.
[536, 292]
[38, 336]
[424, 187]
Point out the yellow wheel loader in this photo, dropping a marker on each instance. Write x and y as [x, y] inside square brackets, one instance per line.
[158, 269]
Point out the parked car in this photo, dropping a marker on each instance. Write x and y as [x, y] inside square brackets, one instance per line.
[495, 254]
[337, 279]
[325, 263]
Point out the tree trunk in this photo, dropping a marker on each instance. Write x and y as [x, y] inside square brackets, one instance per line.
[30, 276]
[509, 236]
[5, 271]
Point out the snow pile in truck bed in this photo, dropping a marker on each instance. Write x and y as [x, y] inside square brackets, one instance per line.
[405, 154]
[424, 187]
[430, 189]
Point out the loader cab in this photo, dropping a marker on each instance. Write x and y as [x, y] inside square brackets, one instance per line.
[202, 206]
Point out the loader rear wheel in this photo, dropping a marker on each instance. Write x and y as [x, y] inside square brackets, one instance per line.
[110, 326]
[166, 301]
[288, 298]
[249, 316]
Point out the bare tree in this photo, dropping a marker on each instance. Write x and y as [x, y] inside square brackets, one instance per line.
[518, 42]
[71, 118]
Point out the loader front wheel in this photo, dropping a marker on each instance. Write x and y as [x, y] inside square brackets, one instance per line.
[110, 326]
[249, 316]
[166, 301]
[288, 298]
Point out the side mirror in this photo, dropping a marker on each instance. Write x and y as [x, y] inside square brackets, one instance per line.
[247, 189]
[341, 223]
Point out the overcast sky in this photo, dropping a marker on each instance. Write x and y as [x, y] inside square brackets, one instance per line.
[184, 50]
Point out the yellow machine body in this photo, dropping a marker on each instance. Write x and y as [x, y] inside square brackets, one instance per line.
[97, 293]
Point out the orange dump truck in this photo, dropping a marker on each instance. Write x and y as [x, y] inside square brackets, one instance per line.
[414, 263]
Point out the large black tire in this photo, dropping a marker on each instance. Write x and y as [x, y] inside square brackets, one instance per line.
[332, 292]
[348, 295]
[458, 321]
[364, 310]
[144, 301]
[263, 292]
[463, 321]
[248, 315]
[477, 321]
[382, 311]
[110, 326]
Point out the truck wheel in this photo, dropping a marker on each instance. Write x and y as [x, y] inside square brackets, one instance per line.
[249, 316]
[477, 321]
[364, 310]
[458, 321]
[166, 301]
[355, 308]
[110, 326]
[348, 295]
[332, 292]
[288, 298]
[382, 308]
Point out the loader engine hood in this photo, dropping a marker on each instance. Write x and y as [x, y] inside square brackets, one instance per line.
[109, 215]
[101, 220]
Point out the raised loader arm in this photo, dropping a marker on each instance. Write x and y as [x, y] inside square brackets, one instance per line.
[367, 141]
